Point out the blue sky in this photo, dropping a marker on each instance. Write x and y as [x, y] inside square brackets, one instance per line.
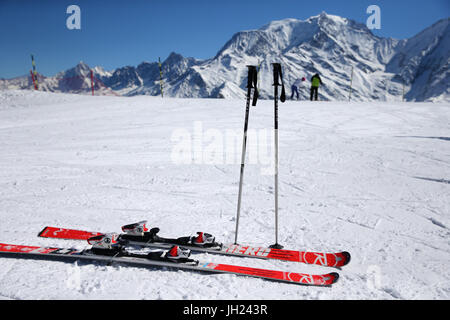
[118, 33]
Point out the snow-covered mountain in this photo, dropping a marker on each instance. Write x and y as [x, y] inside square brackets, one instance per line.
[74, 80]
[383, 68]
[424, 62]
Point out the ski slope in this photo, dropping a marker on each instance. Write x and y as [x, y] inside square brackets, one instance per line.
[370, 178]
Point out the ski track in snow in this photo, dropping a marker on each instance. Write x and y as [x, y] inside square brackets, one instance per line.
[368, 178]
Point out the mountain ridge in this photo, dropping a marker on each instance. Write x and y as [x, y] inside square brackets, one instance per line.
[333, 46]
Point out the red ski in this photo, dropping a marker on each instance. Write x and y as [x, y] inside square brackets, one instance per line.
[336, 260]
[21, 251]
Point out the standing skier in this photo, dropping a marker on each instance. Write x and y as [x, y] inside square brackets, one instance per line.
[315, 83]
[296, 86]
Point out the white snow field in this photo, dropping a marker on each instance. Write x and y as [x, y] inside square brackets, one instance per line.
[370, 178]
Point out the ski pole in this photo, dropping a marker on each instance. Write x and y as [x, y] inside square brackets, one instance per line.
[351, 83]
[160, 76]
[276, 76]
[403, 90]
[92, 82]
[251, 83]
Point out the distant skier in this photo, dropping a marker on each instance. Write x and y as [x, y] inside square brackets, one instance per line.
[296, 86]
[315, 83]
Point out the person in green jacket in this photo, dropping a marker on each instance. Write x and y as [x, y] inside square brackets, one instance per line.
[315, 83]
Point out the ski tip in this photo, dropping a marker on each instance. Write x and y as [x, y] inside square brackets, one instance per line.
[41, 233]
[335, 276]
[347, 257]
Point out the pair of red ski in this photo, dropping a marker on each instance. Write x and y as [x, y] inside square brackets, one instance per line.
[336, 260]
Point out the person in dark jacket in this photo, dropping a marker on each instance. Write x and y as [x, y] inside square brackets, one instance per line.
[315, 83]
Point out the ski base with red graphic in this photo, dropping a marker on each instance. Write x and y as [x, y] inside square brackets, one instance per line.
[336, 260]
[66, 254]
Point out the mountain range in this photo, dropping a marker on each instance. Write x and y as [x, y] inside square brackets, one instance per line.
[341, 50]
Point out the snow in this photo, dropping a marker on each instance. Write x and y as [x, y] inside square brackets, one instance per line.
[371, 178]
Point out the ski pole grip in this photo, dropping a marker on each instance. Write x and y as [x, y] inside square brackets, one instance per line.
[276, 73]
[251, 76]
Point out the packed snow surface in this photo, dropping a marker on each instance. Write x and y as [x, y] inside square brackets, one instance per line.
[370, 178]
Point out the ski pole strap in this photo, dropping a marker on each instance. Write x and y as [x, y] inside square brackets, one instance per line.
[252, 82]
[278, 75]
